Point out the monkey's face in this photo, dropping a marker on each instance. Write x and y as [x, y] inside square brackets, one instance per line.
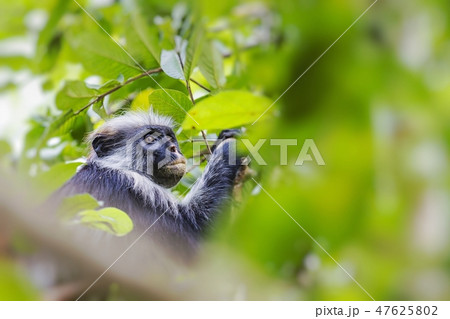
[161, 156]
[151, 150]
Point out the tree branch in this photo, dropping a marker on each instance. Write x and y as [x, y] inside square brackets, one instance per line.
[101, 96]
[200, 85]
[148, 271]
[188, 86]
[206, 141]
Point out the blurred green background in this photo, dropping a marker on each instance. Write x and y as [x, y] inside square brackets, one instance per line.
[377, 106]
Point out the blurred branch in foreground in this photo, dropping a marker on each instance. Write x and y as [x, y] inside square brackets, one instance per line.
[145, 271]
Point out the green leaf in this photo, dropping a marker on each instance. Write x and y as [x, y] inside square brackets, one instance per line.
[62, 125]
[74, 95]
[226, 110]
[108, 86]
[193, 50]
[31, 142]
[99, 109]
[102, 55]
[211, 65]
[70, 206]
[141, 102]
[170, 102]
[109, 219]
[15, 63]
[49, 42]
[167, 34]
[140, 47]
[147, 35]
[171, 64]
[49, 181]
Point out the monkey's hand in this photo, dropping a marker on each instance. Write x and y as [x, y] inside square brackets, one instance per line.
[243, 171]
[224, 135]
[231, 133]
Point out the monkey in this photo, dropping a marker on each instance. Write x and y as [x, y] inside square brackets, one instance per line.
[133, 162]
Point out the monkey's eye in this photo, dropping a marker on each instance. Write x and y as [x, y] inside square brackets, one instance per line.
[149, 139]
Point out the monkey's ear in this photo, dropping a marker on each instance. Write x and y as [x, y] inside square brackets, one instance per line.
[102, 145]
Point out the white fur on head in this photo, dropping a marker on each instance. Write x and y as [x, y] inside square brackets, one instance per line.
[130, 120]
[138, 119]
[121, 157]
[133, 119]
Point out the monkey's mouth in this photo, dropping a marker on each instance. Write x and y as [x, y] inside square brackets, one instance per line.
[171, 173]
[178, 163]
[176, 167]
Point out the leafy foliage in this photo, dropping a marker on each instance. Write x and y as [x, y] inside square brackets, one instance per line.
[211, 65]
[171, 64]
[376, 106]
[71, 206]
[109, 219]
[193, 50]
[74, 95]
[103, 56]
[170, 102]
[226, 109]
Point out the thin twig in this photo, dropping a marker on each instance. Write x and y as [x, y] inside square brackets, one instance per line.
[206, 141]
[188, 86]
[137, 77]
[202, 159]
[200, 85]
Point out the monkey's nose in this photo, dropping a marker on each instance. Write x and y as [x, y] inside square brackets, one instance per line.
[173, 149]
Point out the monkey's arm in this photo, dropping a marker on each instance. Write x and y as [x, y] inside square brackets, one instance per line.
[214, 188]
